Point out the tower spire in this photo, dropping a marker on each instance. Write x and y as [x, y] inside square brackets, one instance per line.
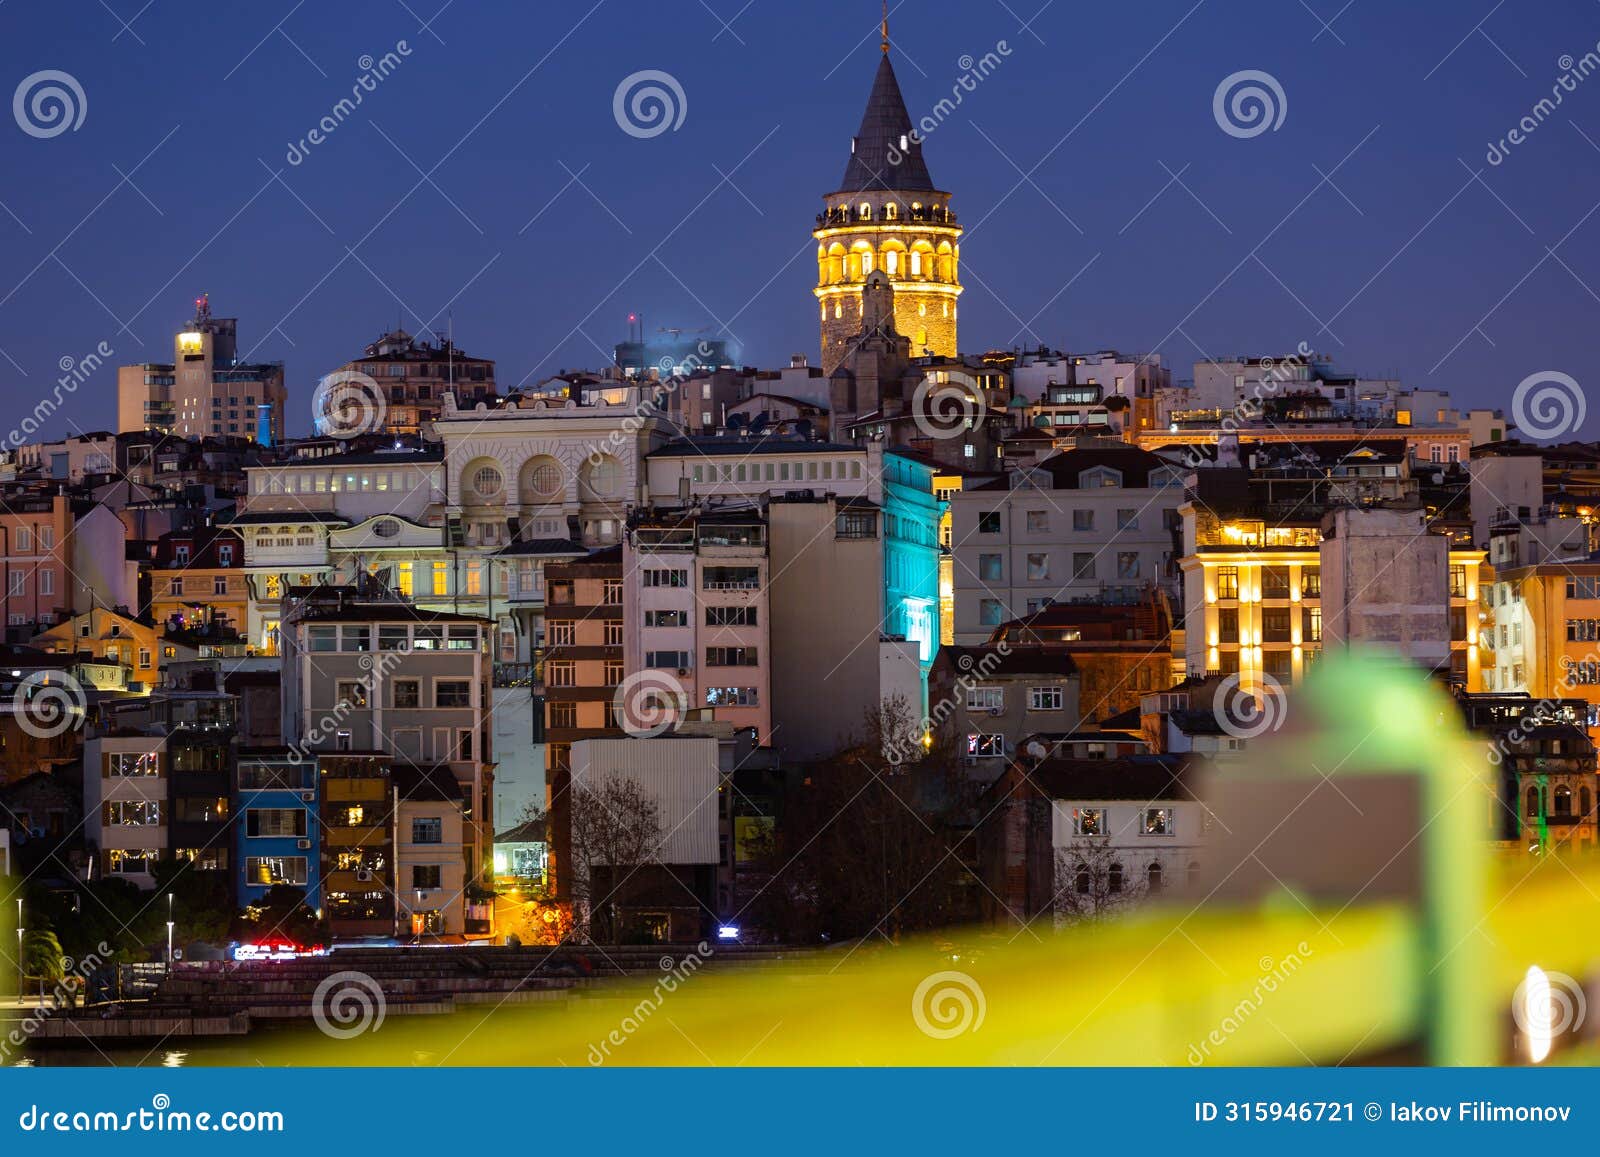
[886, 27]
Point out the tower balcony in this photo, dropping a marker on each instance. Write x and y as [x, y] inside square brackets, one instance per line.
[911, 285]
[845, 216]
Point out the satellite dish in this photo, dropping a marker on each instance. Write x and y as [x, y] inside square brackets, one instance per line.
[758, 423]
[737, 421]
[803, 426]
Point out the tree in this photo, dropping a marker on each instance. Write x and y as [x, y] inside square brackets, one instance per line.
[201, 903]
[43, 958]
[873, 842]
[1094, 881]
[616, 833]
[282, 914]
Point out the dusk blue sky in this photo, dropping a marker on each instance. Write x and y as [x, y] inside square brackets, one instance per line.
[1403, 264]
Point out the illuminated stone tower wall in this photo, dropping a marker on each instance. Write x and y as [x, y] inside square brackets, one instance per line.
[887, 214]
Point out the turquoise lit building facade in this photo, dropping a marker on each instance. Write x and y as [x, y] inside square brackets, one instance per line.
[911, 517]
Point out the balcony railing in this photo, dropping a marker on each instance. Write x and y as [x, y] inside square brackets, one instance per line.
[514, 674]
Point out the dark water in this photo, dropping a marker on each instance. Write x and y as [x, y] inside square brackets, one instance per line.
[174, 1052]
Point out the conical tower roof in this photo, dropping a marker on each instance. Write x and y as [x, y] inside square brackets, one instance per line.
[878, 163]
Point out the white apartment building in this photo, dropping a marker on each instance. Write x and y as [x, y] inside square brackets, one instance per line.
[696, 609]
[467, 527]
[705, 469]
[328, 518]
[1089, 523]
[1134, 823]
[125, 805]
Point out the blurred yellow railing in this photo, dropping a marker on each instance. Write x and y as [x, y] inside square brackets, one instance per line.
[1264, 988]
[1425, 979]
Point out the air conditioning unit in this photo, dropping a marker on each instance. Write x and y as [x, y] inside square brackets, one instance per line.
[308, 797]
[363, 875]
[997, 711]
[303, 845]
[683, 671]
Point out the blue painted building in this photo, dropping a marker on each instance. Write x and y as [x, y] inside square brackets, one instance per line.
[277, 836]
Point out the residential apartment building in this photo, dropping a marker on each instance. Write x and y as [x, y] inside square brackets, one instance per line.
[336, 516]
[78, 459]
[414, 376]
[332, 516]
[113, 635]
[126, 804]
[32, 736]
[1254, 558]
[1119, 651]
[946, 483]
[890, 491]
[1200, 715]
[198, 580]
[356, 799]
[277, 836]
[1092, 523]
[828, 548]
[1543, 633]
[583, 667]
[985, 702]
[199, 728]
[59, 554]
[695, 609]
[1075, 839]
[1546, 790]
[704, 469]
[205, 389]
[430, 862]
[365, 672]
[1138, 379]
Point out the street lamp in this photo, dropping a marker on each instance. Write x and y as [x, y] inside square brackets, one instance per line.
[21, 979]
[169, 931]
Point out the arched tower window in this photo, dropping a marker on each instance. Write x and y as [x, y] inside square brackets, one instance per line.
[864, 211]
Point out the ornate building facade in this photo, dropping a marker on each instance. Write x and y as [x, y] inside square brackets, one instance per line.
[888, 215]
